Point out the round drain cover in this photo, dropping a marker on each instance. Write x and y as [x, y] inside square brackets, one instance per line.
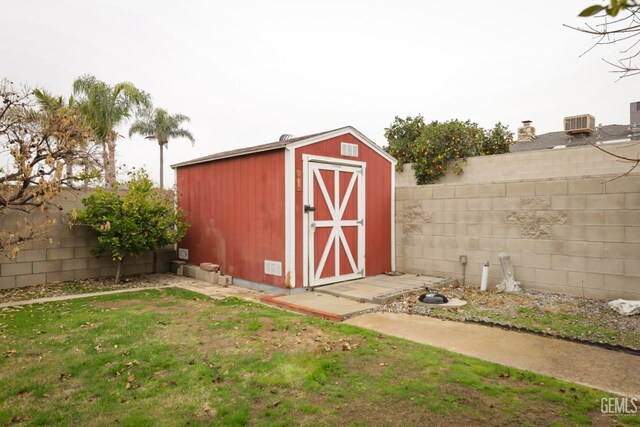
[433, 299]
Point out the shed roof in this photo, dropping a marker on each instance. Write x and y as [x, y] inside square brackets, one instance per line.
[553, 139]
[301, 140]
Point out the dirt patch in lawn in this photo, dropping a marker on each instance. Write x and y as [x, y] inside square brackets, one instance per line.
[302, 337]
[227, 333]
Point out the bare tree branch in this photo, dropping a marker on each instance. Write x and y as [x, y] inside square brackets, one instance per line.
[635, 161]
[621, 28]
[36, 144]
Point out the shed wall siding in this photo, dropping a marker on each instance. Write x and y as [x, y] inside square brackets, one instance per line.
[236, 210]
[378, 203]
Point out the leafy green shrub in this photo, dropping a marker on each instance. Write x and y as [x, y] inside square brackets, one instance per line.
[434, 147]
[141, 219]
[402, 136]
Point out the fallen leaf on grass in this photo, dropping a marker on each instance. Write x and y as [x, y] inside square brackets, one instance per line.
[10, 353]
[160, 374]
[98, 347]
[64, 376]
[384, 364]
[504, 375]
[132, 385]
[276, 403]
[346, 346]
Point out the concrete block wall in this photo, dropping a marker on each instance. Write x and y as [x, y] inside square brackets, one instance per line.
[65, 253]
[574, 162]
[577, 235]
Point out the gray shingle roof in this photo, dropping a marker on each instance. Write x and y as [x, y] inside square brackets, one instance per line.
[554, 139]
[248, 150]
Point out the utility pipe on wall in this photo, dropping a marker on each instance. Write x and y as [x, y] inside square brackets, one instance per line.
[485, 276]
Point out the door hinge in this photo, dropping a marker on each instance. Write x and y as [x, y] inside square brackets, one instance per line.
[360, 221]
[361, 273]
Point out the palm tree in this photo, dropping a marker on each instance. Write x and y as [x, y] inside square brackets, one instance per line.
[105, 107]
[161, 126]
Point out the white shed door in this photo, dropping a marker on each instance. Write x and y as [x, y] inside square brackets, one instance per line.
[335, 212]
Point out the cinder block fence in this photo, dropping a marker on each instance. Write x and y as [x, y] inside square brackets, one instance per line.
[568, 226]
[65, 254]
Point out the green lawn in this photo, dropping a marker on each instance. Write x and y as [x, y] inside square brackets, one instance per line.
[170, 357]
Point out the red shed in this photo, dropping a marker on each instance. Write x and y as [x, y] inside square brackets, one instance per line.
[299, 212]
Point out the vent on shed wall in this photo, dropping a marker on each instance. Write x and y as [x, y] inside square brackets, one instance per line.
[350, 150]
[183, 253]
[273, 268]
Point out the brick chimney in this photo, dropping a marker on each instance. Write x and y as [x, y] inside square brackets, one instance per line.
[526, 132]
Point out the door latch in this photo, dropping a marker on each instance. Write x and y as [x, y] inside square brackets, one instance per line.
[309, 208]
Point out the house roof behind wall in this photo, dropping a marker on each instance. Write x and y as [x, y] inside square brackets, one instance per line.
[604, 134]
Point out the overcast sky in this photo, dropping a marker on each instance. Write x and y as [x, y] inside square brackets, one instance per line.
[248, 71]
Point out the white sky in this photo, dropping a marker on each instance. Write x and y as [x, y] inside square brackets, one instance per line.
[248, 71]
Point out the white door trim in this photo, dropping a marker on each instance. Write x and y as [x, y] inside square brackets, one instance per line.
[337, 209]
[290, 215]
[393, 217]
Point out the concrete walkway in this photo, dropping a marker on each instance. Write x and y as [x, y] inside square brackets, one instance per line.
[595, 367]
[78, 296]
[193, 285]
[214, 291]
[321, 305]
[341, 301]
[381, 288]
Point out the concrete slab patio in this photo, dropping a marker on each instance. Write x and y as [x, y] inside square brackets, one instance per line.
[341, 301]
[321, 305]
[595, 367]
[381, 288]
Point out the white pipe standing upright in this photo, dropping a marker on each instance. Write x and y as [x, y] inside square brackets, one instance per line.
[485, 277]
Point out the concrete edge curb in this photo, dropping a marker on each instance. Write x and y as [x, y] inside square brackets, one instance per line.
[271, 300]
[79, 296]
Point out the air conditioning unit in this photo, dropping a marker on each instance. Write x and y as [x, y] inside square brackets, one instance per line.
[584, 123]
